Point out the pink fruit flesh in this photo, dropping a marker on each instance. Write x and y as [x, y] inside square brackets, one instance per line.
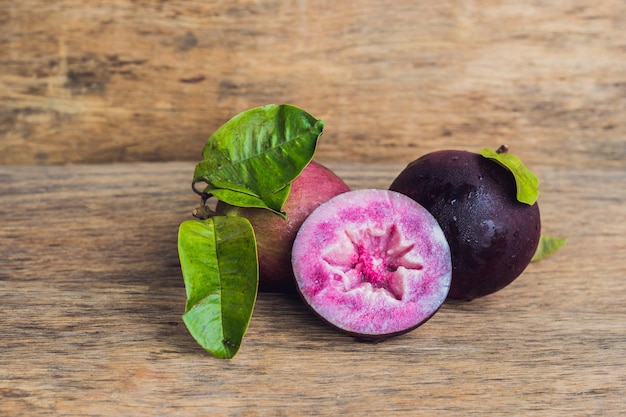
[373, 263]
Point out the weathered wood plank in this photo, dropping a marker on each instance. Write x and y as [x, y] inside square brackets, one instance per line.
[111, 81]
[91, 298]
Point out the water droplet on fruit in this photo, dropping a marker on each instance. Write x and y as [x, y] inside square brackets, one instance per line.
[488, 233]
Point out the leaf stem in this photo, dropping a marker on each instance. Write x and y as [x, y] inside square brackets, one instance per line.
[202, 194]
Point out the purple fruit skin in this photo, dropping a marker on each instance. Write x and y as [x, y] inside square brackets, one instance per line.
[372, 263]
[492, 236]
[315, 185]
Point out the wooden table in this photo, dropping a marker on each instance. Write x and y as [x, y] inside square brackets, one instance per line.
[91, 297]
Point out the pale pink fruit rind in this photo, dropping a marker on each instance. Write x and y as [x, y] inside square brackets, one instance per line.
[408, 261]
[275, 235]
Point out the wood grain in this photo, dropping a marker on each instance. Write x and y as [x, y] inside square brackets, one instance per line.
[147, 80]
[91, 299]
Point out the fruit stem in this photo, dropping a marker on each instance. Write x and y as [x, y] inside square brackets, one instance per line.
[503, 149]
[204, 211]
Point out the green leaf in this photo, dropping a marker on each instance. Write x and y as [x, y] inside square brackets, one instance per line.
[547, 246]
[218, 258]
[257, 154]
[238, 199]
[526, 182]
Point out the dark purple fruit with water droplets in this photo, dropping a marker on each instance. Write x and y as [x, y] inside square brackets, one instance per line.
[492, 236]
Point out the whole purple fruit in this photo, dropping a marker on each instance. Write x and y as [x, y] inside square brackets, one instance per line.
[492, 236]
